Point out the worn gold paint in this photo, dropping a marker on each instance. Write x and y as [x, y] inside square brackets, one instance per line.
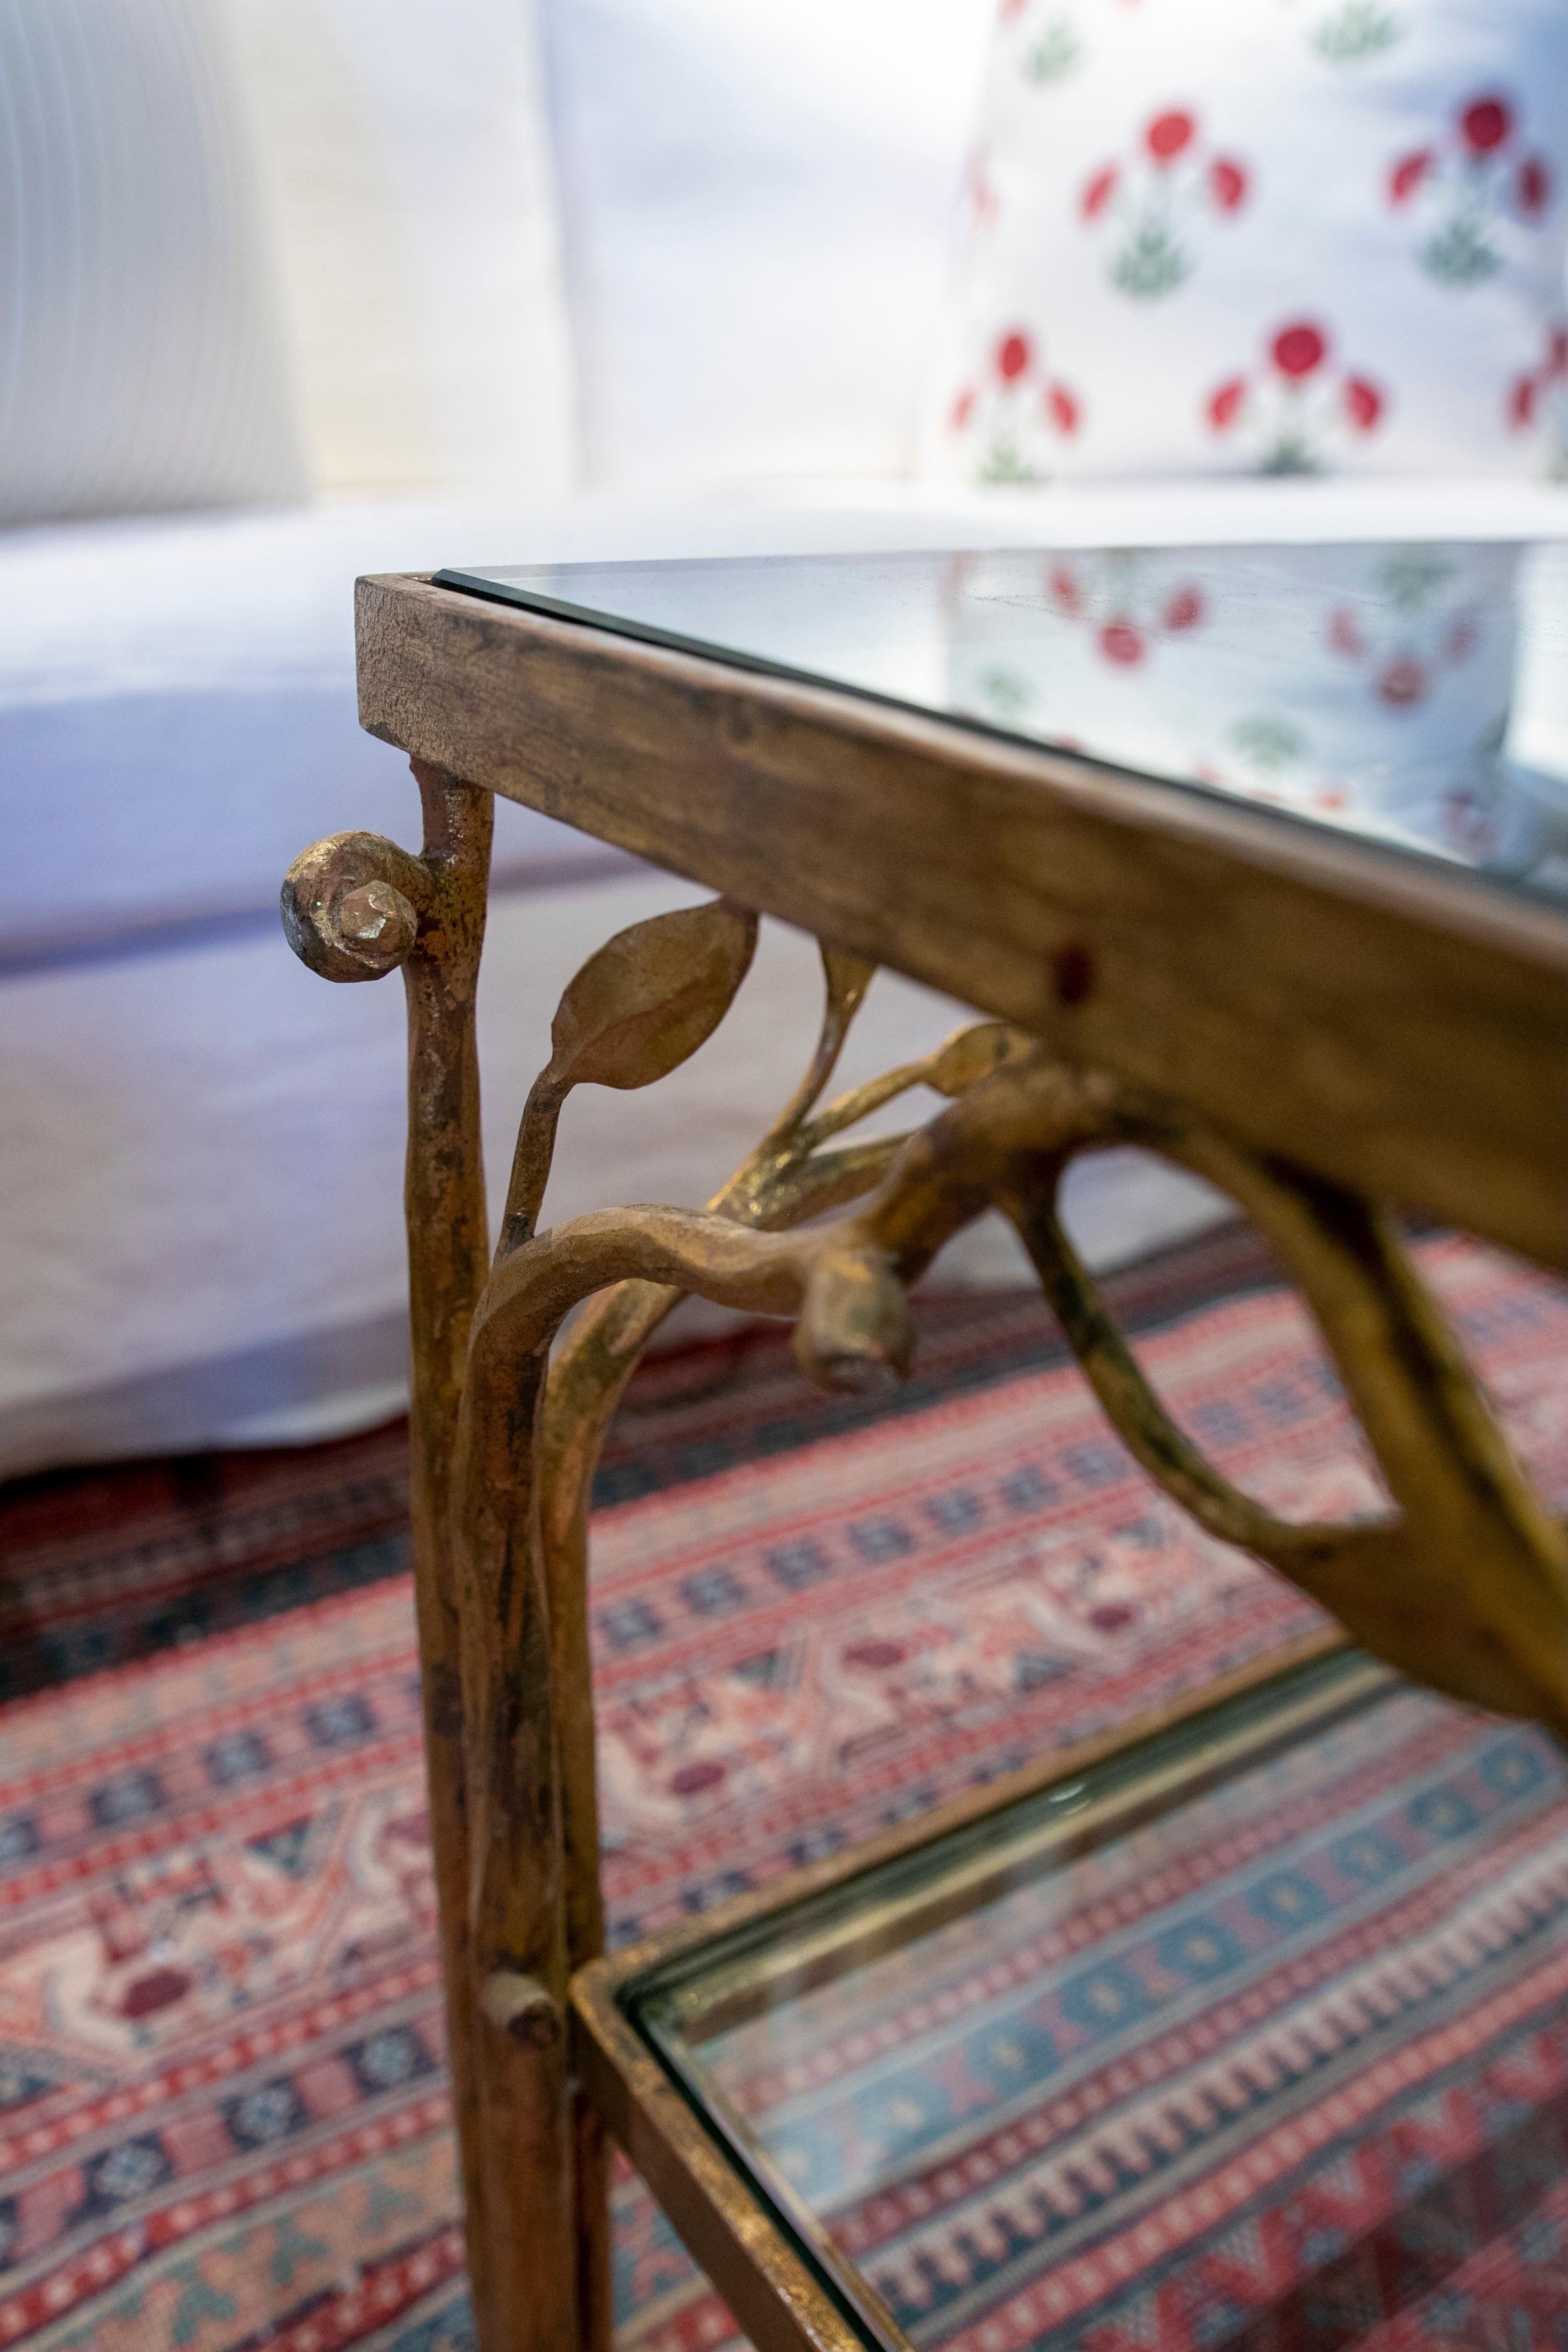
[1465, 1587]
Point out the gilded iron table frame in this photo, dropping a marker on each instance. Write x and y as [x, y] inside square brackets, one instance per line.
[1321, 1027]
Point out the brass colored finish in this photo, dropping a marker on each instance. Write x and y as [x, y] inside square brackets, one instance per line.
[434, 908]
[787, 1179]
[1465, 1584]
[1466, 1589]
[780, 2306]
[1282, 982]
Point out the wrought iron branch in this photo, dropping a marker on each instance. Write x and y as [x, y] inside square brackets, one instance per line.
[356, 908]
[1464, 1585]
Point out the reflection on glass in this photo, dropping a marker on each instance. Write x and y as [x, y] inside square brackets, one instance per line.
[1369, 686]
[1255, 2024]
[1417, 694]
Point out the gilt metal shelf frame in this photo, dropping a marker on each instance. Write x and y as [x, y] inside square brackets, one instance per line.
[1463, 1585]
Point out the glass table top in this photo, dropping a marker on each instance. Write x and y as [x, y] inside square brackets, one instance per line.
[1254, 2036]
[1415, 694]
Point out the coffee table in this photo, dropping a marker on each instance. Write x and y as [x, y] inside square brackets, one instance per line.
[1143, 811]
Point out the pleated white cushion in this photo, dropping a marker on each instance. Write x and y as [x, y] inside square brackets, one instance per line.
[142, 357]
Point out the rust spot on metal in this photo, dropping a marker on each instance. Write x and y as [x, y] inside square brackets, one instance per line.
[1072, 972]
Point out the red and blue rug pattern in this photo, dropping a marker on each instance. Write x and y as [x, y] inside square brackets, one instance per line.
[1288, 1981]
[221, 2094]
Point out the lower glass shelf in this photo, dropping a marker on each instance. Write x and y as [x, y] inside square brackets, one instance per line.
[1254, 2036]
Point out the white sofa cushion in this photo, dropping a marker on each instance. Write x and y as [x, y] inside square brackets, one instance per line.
[177, 706]
[757, 203]
[1291, 238]
[203, 1237]
[144, 358]
[405, 164]
[179, 697]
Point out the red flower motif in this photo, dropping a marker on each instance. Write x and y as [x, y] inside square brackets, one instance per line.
[1120, 643]
[1098, 194]
[1184, 611]
[1521, 402]
[1463, 636]
[962, 409]
[1064, 591]
[1168, 134]
[1297, 351]
[1408, 173]
[1403, 683]
[1557, 353]
[1484, 124]
[1063, 408]
[1225, 405]
[1363, 403]
[1534, 185]
[1227, 183]
[1014, 354]
[1344, 633]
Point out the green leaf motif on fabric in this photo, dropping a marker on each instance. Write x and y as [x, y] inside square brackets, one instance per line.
[1003, 465]
[1460, 254]
[1290, 454]
[1411, 577]
[1269, 742]
[1004, 694]
[1055, 53]
[1360, 29]
[1151, 264]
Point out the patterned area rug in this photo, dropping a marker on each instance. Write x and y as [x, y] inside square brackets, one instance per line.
[220, 2080]
[109, 1565]
[1283, 1986]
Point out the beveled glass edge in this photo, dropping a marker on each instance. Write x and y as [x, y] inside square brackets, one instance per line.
[1236, 1733]
[1400, 855]
[648, 633]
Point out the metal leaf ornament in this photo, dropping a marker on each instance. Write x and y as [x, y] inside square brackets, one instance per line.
[637, 1009]
[973, 1054]
[650, 997]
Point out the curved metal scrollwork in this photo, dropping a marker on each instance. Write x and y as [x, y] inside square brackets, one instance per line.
[1463, 1586]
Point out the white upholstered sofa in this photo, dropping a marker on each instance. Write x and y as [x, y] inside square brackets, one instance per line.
[636, 277]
